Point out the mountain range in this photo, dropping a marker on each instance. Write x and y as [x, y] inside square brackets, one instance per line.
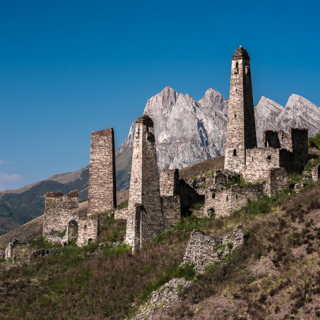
[187, 132]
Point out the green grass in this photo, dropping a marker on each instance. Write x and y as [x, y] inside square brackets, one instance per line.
[240, 181]
[315, 142]
[197, 206]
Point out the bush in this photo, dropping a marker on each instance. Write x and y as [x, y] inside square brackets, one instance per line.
[43, 243]
[315, 142]
[197, 206]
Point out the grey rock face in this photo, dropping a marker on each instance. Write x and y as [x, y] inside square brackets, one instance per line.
[266, 116]
[187, 131]
[298, 112]
[301, 113]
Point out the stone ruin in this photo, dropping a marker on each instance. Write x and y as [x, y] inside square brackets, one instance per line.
[155, 204]
[266, 168]
[62, 222]
[102, 172]
[202, 249]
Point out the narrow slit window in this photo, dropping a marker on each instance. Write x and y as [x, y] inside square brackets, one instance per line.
[234, 152]
[269, 157]
[213, 195]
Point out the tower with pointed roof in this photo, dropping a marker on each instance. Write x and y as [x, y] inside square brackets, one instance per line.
[241, 130]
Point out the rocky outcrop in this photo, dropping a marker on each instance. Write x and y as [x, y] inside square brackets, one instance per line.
[203, 249]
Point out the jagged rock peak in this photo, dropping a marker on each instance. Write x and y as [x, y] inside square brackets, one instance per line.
[214, 98]
[301, 100]
[167, 98]
[267, 107]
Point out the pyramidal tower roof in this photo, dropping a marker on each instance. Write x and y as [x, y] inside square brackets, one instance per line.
[240, 53]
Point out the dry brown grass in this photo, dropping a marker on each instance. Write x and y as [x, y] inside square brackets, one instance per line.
[202, 167]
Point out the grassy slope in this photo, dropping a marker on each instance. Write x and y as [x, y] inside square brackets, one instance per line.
[201, 167]
[74, 284]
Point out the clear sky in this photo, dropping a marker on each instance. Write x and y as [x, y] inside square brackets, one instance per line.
[70, 67]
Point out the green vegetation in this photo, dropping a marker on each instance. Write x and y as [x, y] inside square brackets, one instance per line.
[197, 206]
[315, 142]
[240, 181]
[77, 283]
[62, 233]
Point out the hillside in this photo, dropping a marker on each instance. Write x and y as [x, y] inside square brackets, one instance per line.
[273, 276]
[187, 133]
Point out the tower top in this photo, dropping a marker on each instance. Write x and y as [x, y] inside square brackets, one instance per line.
[241, 53]
[145, 119]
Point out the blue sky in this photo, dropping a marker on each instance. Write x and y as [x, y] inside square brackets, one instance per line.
[71, 67]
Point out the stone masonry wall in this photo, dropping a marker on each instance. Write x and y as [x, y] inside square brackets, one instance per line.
[300, 148]
[241, 132]
[169, 180]
[259, 161]
[102, 181]
[277, 139]
[144, 186]
[201, 249]
[188, 196]
[171, 208]
[59, 211]
[87, 230]
[315, 172]
[277, 180]
[293, 145]
[121, 213]
[224, 202]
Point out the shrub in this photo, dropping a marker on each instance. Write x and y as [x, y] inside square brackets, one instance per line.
[43, 243]
[314, 142]
[197, 206]
[62, 233]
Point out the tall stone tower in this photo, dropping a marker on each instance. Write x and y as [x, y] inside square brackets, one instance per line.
[145, 219]
[241, 130]
[102, 172]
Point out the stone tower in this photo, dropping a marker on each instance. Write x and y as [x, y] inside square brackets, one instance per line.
[145, 219]
[102, 172]
[241, 130]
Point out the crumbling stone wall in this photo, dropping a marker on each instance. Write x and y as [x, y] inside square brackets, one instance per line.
[59, 211]
[201, 249]
[188, 196]
[293, 145]
[259, 161]
[121, 213]
[300, 148]
[171, 208]
[169, 182]
[102, 172]
[88, 230]
[224, 202]
[144, 187]
[315, 172]
[241, 131]
[277, 180]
